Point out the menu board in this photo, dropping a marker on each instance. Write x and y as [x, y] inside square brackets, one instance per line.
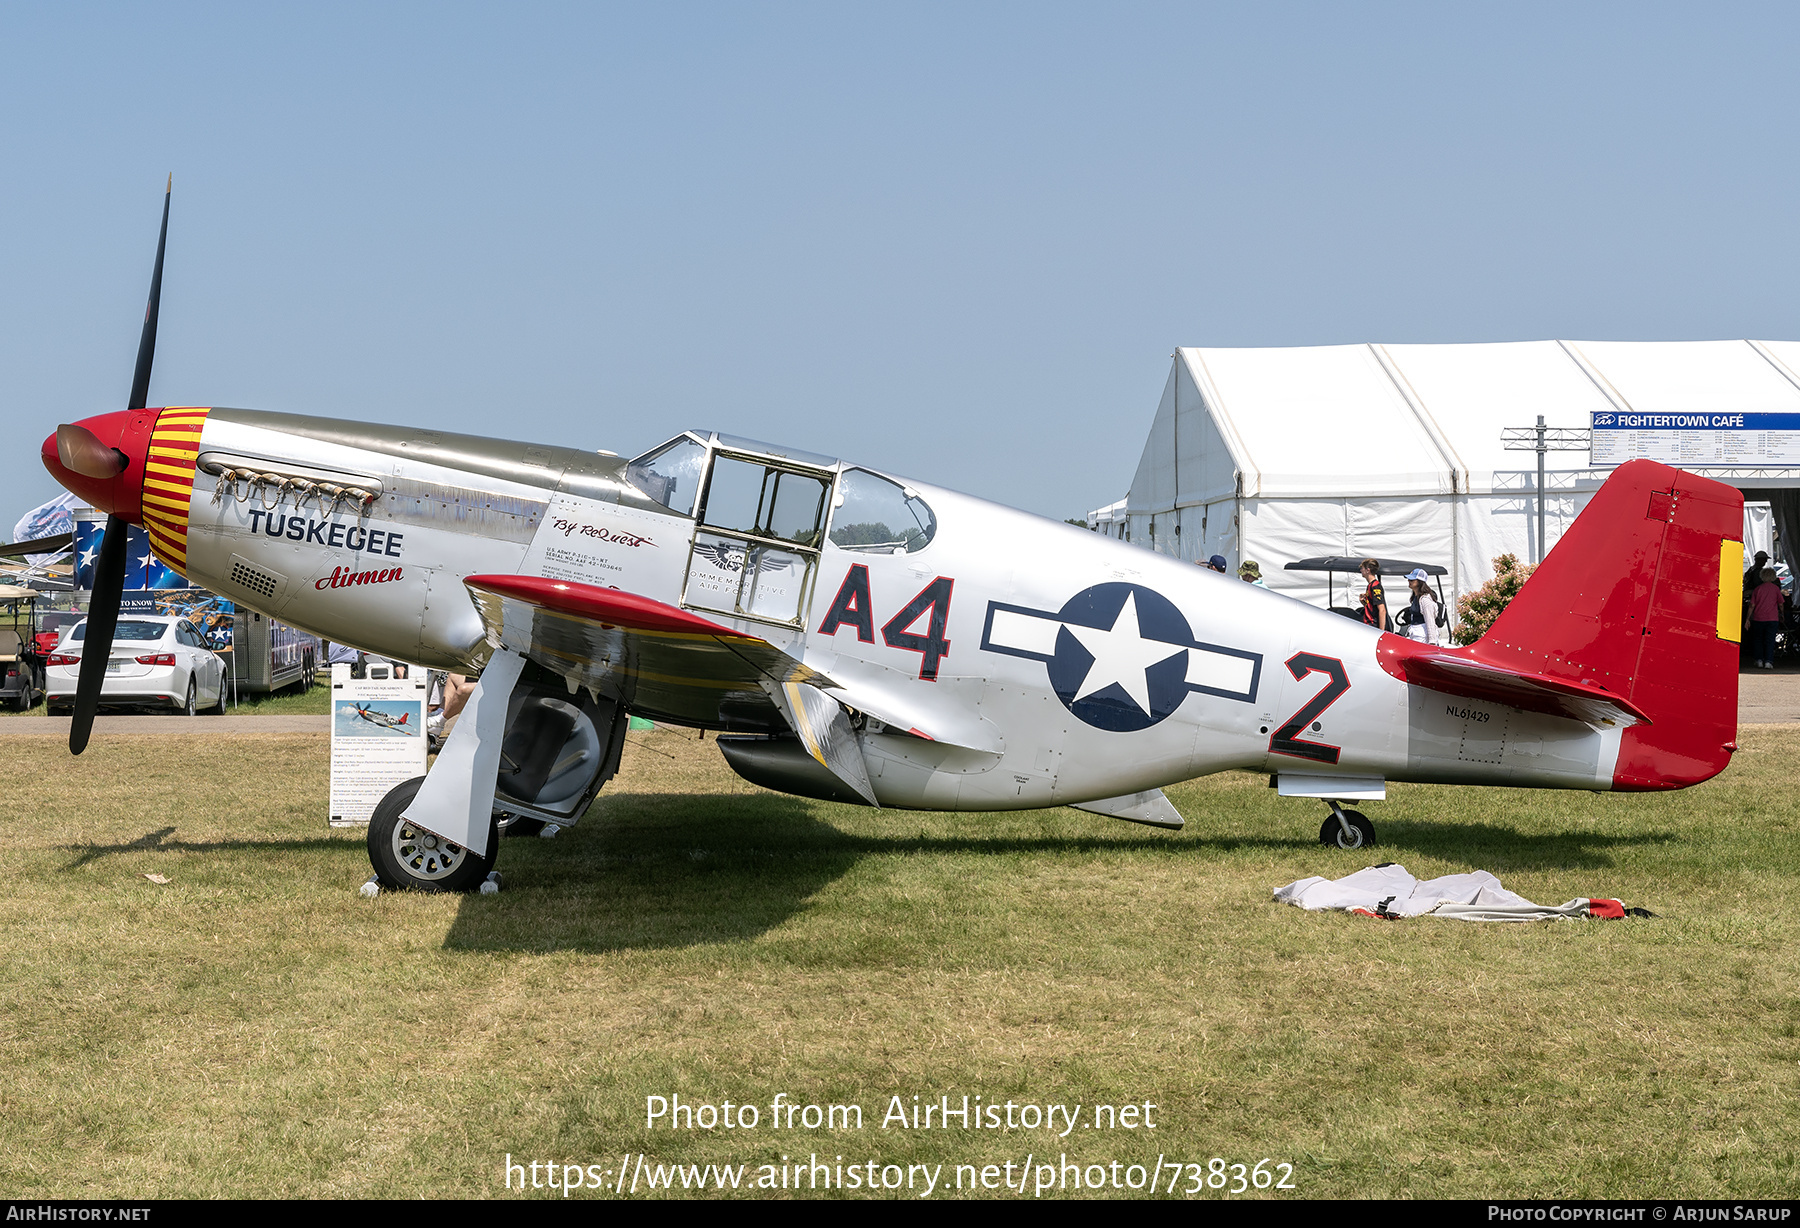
[1697, 440]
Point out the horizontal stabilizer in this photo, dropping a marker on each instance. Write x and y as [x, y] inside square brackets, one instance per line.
[1150, 808]
[1451, 673]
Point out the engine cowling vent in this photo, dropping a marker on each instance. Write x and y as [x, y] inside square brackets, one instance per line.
[258, 581]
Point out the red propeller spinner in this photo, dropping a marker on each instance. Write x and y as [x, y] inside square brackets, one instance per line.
[102, 460]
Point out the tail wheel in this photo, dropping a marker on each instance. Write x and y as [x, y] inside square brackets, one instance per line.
[407, 857]
[1361, 836]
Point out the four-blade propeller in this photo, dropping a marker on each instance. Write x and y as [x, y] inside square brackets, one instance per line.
[82, 452]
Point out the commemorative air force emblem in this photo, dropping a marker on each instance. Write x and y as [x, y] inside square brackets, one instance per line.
[1121, 656]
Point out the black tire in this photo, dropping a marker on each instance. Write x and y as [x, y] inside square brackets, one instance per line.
[189, 709]
[408, 859]
[1332, 836]
[218, 708]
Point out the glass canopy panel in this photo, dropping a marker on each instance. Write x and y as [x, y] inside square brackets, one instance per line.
[876, 516]
[671, 474]
[754, 498]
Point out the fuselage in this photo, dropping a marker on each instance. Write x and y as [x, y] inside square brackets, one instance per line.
[1065, 666]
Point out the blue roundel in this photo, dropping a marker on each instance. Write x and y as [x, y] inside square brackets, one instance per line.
[1121, 657]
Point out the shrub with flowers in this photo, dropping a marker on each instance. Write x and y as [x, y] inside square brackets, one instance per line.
[1477, 611]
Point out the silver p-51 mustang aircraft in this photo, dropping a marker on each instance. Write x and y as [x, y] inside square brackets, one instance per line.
[871, 639]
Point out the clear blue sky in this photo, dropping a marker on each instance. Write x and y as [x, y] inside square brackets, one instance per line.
[957, 241]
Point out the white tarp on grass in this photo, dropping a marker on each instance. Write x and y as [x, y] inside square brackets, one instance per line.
[1387, 890]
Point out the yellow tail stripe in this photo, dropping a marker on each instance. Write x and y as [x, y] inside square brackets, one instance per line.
[1731, 591]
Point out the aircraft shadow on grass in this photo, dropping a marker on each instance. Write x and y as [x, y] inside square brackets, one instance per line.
[658, 870]
[158, 842]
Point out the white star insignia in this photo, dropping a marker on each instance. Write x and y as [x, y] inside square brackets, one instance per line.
[1121, 655]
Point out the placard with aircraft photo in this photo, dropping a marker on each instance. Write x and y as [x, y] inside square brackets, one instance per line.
[377, 739]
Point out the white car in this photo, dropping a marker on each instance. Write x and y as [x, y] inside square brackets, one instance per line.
[156, 662]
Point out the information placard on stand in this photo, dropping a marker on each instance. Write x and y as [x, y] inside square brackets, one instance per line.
[377, 737]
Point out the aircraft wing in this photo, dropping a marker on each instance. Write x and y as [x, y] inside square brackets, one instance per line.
[1457, 671]
[670, 662]
[658, 659]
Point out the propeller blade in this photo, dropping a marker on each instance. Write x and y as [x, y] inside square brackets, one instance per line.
[81, 451]
[102, 621]
[140, 379]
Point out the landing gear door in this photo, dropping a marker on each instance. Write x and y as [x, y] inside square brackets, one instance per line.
[756, 544]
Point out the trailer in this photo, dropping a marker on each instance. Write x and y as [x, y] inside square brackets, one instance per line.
[267, 654]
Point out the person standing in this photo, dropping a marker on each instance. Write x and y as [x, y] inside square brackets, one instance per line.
[1422, 610]
[1250, 572]
[1215, 563]
[1765, 618]
[1374, 601]
[1753, 573]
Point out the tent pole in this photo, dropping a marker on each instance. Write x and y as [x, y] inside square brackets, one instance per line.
[1540, 490]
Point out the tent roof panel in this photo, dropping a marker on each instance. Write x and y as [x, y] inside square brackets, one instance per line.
[1318, 419]
[1473, 392]
[1691, 376]
[1787, 353]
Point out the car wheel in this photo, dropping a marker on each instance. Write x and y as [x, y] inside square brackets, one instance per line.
[406, 857]
[188, 708]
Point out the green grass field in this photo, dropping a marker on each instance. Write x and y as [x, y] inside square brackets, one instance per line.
[254, 1027]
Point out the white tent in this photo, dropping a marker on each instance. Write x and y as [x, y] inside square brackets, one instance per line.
[1110, 520]
[1395, 450]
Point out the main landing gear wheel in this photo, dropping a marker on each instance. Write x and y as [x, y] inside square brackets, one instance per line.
[406, 857]
[1361, 835]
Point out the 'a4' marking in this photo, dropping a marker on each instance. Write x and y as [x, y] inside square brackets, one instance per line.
[853, 607]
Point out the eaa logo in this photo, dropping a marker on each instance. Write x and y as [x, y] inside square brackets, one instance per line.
[1121, 656]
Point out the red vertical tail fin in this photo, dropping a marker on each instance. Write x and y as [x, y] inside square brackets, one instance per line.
[1642, 596]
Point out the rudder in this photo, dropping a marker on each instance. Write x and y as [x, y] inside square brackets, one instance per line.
[1642, 597]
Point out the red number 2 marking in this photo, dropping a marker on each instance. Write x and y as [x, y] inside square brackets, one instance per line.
[1284, 741]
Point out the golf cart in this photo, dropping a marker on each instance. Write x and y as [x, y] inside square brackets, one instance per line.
[1337, 564]
[21, 664]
